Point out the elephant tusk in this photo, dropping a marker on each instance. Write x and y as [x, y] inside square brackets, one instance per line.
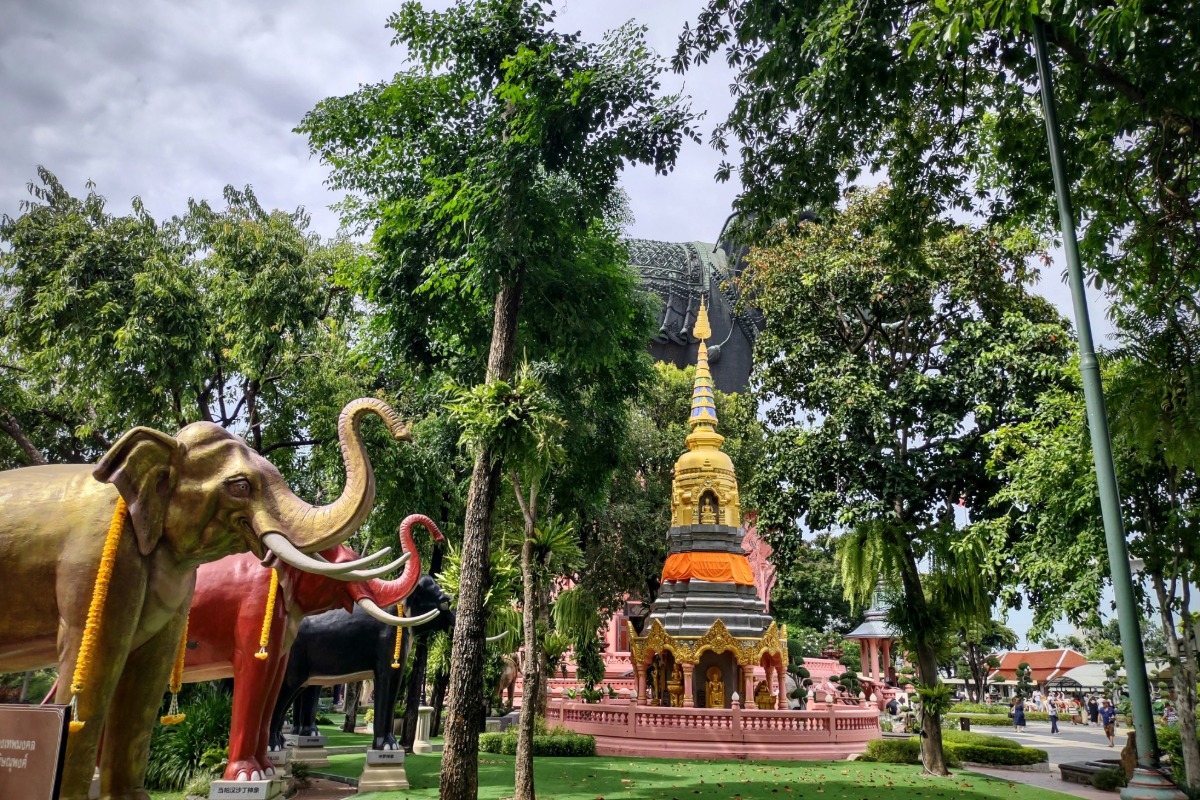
[289, 554]
[375, 572]
[362, 562]
[372, 608]
[497, 637]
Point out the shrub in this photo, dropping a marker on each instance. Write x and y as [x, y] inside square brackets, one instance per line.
[980, 739]
[574, 746]
[181, 753]
[1108, 779]
[999, 756]
[560, 742]
[893, 751]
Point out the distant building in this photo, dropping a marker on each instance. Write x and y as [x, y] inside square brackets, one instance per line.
[1044, 665]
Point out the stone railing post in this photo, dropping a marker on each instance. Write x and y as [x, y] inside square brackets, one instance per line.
[735, 723]
[689, 697]
[748, 682]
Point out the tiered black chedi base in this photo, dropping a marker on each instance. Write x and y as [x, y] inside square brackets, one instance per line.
[689, 608]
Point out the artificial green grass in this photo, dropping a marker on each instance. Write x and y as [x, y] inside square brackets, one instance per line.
[338, 738]
[648, 779]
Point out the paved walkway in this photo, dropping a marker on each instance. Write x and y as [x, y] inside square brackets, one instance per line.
[325, 790]
[1046, 780]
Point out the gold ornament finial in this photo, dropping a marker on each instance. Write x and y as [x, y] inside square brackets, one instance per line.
[701, 330]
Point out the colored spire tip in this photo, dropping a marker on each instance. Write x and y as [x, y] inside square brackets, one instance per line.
[702, 330]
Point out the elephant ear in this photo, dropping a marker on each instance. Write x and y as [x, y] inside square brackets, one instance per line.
[139, 465]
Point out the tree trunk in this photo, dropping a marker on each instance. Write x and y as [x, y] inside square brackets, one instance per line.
[933, 756]
[460, 756]
[24, 698]
[543, 685]
[523, 777]
[353, 690]
[1183, 676]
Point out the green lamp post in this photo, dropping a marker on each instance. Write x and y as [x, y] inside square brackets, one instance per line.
[1148, 781]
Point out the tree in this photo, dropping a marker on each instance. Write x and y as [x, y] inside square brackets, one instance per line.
[978, 642]
[809, 590]
[478, 167]
[936, 93]
[888, 366]
[1057, 537]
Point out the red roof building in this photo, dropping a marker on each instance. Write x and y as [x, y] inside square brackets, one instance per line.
[1043, 664]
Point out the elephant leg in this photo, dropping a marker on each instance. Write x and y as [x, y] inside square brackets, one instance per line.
[267, 713]
[310, 703]
[109, 662]
[387, 688]
[285, 700]
[249, 706]
[132, 714]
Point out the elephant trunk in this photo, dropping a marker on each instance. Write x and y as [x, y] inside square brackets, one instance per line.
[387, 593]
[313, 528]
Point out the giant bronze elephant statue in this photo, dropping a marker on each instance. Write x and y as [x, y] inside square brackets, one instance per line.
[224, 633]
[195, 497]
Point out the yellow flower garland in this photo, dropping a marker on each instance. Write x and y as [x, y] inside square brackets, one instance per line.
[399, 640]
[91, 629]
[173, 715]
[265, 636]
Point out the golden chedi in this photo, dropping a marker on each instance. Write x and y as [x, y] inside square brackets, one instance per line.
[708, 616]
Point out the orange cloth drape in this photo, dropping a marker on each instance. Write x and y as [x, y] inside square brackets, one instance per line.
[714, 567]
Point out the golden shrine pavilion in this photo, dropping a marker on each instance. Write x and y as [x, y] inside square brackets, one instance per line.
[708, 615]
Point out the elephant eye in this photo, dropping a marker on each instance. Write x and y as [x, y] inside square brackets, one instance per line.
[239, 487]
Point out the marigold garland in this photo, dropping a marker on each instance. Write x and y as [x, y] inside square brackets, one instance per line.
[265, 636]
[173, 715]
[399, 640]
[91, 629]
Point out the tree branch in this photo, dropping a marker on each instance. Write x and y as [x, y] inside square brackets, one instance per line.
[9, 424]
[291, 443]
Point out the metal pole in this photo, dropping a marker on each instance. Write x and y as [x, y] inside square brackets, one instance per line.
[1147, 780]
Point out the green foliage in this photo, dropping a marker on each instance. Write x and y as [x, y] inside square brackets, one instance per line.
[589, 664]
[996, 756]
[1108, 779]
[978, 739]
[181, 753]
[1025, 683]
[559, 742]
[808, 590]
[893, 751]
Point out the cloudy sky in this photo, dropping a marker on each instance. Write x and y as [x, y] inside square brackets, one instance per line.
[174, 100]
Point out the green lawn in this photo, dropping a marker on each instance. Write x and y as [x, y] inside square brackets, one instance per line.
[628, 779]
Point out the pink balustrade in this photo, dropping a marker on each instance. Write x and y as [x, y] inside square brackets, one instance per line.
[623, 729]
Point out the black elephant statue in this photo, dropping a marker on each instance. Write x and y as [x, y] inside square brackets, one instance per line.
[339, 647]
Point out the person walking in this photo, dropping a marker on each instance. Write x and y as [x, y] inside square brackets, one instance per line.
[1052, 710]
[1108, 715]
[1093, 710]
[1170, 716]
[1018, 715]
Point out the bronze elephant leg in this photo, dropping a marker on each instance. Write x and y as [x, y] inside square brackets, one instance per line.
[108, 663]
[134, 711]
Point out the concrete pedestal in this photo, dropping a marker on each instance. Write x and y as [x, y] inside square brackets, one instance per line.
[281, 760]
[421, 740]
[309, 750]
[384, 771]
[246, 790]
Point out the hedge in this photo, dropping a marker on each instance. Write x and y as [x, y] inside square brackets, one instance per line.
[981, 739]
[996, 720]
[999, 756]
[908, 751]
[560, 744]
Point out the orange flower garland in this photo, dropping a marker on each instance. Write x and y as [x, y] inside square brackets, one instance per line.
[265, 636]
[173, 715]
[91, 629]
[399, 640]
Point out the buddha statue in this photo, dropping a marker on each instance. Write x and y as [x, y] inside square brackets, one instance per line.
[714, 689]
[763, 697]
[675, 687]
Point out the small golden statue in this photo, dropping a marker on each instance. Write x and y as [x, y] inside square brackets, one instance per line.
[763, 697]
[714, 690]
[675, 687]
[708, 509]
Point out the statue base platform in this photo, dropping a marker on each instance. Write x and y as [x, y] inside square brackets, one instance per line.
[384, 771]
[309, 750]
[246, 790]
[281, 760]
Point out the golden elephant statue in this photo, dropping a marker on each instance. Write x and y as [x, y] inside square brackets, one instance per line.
[192, 498]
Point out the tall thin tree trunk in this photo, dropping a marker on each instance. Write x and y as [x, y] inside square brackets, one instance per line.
[24, 698]
[1183, 676]
[543, 686]
[438, 701]
[460, 756]
[523, 777]
[927, 665]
